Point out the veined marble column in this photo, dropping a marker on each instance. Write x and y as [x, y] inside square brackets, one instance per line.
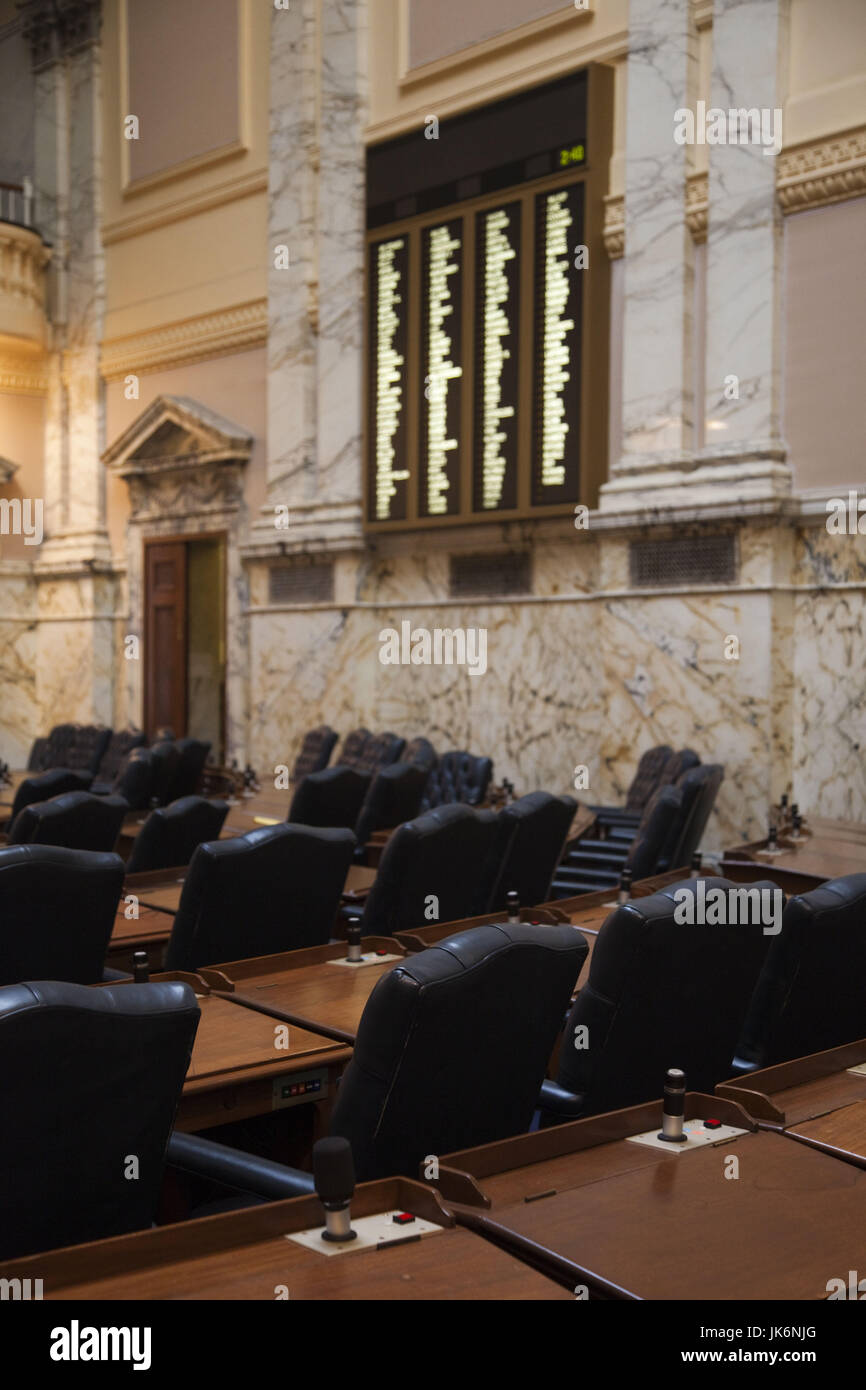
[744, 254]
[657, 405]
[315, 306]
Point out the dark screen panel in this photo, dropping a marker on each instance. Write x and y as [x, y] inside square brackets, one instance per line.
[389, 313]
[441, 365]
[557, 296]
[497, 340]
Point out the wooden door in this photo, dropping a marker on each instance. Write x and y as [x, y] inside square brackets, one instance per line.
[165, 693]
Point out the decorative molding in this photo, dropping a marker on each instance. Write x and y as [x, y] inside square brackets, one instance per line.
[497, 44]
[175, 433]
[57, 28]
[23, 367]
[823, 171]
[191, 205]
[614, 225]
[697, 201]
[190, 340]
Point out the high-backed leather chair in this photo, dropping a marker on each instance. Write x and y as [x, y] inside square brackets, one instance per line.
[86, 747]
[645, 781]
[678, 764]
[192, 755]
[135, 780]
[597, 864]
[394, 796]
[171, 834]
[57, 910]
[811, 993]
[661, 993]
[57, 748]
[165, 757]
[700, 787]
[431, 870]
[420, 753]
[275, 889]
[89, 1082]
[333, 797]
[453, 1044]
[316, 750]
[351, 750]
[120, 745]
[47, 784]
[535, 828]
[76, 820]
[457, 777]
[36, 761]
[380, 750]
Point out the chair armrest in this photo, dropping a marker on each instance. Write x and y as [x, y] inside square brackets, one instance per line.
[556, 1100]
[233, 1168]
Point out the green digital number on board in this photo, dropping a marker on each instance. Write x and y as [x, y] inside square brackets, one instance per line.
[571, 154]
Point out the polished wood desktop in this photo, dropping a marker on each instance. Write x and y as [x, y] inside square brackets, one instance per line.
[246, 1255]
[590, 1208]
[245, 1064]
[815, 1099]
[826, 849]
[303, 988]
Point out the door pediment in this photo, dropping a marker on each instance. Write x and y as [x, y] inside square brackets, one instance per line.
[176, 435]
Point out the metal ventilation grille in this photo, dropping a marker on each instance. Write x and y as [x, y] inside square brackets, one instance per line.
[683, 560]
[493, 576]
[301, 584]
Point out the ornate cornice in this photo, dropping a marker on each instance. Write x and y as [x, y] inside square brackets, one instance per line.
[55, 28]
[23, 367]
[191, 340]
[822, 171]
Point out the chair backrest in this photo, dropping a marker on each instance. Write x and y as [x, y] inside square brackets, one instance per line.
[171, 834]
[431, 870]
[539, 824]
[351, 750]
[457, 777]
[76, 820]
[37, 761]
[664, 991]
[709, 777]
[47, 784]
[380, 750]
[316, 750]
[275, 889]
[333, 797]
[662, 817]
[89, 1080]
[57, 746]
[678, 763]
[57, 909]
[192, 755]
[86, 747]
[165, 758]
[811, 993]
[135, 779]
[453, 1045]
[420, 753]
[394, 796]
[646, 778]
[120, 745]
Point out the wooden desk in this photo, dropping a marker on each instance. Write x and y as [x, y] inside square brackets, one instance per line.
[829, 850]
[160, 889]
[588, 1207]
[303, 988]
[814, 1099]
[245, 1255]
[148, 932]
[243, 1064]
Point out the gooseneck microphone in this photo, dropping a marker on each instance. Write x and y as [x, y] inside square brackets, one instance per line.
[334, 1177]
[674, 1107]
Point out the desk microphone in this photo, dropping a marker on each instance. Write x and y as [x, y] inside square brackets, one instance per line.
[140, 967]
[513, 903]
[772, 840]
[697, 861]
[353, 937]
[674, 1107]
[624, 887]
[334, 1177]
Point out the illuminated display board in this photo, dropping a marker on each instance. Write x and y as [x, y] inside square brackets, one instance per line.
[488, 337]
[557, 300]
[441, 315]
[497, 308]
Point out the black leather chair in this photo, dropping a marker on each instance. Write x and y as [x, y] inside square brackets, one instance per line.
[811, 993]
[457, 777]
[135, 780]
[700, 787]
[192, 756]
[86, 747]
[534, 829]
[47, 784]
[380, 750]
[645, 781]
[442, 855]
[598, 864]
[54, 750]
[275, 889]
[420, 753]
[120, 745]
[316, 750]
[394, 796]
[57, 909]
[453, 1044]
[351, 750]
[171, 834]
[76, 820]
[37, 760]
[333, 797]
[661, 993]
[89, 1082]
[164, 760]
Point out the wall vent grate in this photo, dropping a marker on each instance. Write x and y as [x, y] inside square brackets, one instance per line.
[498, 575]
[301, 583]
[683, 560]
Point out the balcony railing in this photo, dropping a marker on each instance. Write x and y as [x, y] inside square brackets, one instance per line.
[16, 203]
